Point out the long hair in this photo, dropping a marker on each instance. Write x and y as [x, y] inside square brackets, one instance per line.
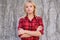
[34, 12]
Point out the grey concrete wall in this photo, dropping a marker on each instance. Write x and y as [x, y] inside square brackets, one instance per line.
[12, 10]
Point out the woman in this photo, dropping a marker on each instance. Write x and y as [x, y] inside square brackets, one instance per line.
[31, 26]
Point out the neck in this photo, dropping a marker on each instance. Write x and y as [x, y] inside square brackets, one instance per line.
[30, 16]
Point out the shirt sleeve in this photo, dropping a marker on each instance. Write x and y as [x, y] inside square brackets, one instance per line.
[20, 25]
[41, 24]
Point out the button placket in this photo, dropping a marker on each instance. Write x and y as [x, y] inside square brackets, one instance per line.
[30, 26]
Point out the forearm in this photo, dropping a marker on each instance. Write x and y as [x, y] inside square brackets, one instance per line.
[25, 35]
[33, 33]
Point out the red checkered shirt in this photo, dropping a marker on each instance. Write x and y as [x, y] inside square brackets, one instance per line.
[32, 25]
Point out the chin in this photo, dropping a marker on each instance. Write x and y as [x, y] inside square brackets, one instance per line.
[29, 13]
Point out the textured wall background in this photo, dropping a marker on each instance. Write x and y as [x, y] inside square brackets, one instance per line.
[12, 10]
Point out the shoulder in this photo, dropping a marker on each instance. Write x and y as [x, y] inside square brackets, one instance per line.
[21, 18]
[38, 17]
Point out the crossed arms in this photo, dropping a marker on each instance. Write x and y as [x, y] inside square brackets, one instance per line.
[27, 33]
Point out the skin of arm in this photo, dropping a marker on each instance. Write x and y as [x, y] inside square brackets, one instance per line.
[34, 33]
[27, 33]
[25, 36]
[22, 33]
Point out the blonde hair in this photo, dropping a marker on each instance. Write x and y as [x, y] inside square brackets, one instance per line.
[34, 12]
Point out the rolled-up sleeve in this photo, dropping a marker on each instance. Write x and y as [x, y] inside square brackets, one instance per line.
[41, 24]
[20, 25]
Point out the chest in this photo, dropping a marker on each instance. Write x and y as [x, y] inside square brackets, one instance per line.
[30, 25]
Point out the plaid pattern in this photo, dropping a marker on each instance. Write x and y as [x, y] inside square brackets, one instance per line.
[32, 25]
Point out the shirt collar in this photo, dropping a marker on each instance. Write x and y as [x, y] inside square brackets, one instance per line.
[26, 17]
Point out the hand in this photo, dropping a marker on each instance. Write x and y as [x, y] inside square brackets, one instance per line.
[21, 31]
[39, 28]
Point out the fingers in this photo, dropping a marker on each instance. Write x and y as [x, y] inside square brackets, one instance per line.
[21, 31]
[39, 28]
